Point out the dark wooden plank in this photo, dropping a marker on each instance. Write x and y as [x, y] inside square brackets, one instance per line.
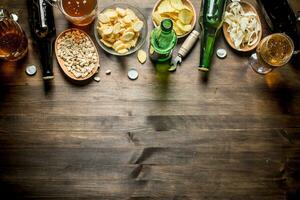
[236, 140]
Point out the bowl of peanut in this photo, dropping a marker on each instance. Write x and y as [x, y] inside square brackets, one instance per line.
[77, 54]
[120, 29]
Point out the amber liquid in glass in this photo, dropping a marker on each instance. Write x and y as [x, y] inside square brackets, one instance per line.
[78, 8]
[84, 9]
[275, 50]
[13, 41]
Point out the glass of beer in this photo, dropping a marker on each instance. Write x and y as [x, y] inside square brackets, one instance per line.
[274, 51]
[13, 41]
[78, 12]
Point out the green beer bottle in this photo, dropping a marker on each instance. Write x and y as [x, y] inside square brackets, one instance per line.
[211, 20]
[163, 40]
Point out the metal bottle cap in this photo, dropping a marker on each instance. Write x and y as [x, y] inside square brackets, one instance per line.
[221, 53]
[14, 16]
[133, 74]
[31, 70]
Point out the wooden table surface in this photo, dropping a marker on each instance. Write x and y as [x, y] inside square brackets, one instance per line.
[163, 136]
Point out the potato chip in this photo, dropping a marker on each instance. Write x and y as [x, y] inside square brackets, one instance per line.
[137, 26]
[122, 51]
[178, 30]
[142, 56]
[116, 44]
[121, 11]
[188, 8]
[129, 29]
[134, 41]
[176, 10]
[111, 13]
[103, 18]
[185, 16]
[121, 46]
[170, 15]
[131, 14]
[127, 45]
[119, 29]
[106, 43]
[123, 24]
[177, 4]
[127, 19]
[108, 30]
[157, 18]
[165, 6]
[122, 30]
[110, 39]
[127, 36]
[99, 31]
[183, 27]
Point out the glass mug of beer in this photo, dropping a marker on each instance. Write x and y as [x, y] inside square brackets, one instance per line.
[13, 40]
[78, 12]
[273, 51]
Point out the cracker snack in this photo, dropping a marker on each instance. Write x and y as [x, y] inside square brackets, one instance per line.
[119, 29]
[181, 14]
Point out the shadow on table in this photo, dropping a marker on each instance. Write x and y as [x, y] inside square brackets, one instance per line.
[295, 64]
[10, 72]
[162, 79]
[12, 191]
[281, 92]
[161, 87]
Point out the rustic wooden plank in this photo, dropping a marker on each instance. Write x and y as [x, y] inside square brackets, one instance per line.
[228, 139]
[158, 123]
[119, 189]
[109, 156]
[217, 101]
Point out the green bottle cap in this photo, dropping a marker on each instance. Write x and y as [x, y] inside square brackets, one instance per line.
[166, 25]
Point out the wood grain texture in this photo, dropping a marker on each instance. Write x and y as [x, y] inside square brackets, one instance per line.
[161, 137]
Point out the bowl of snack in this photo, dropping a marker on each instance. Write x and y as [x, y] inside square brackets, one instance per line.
[121, 29]
[77, 54]
[242, 27]
[181, 12]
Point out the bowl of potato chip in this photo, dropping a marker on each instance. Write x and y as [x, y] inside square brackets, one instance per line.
[181, 12]
[121, 29]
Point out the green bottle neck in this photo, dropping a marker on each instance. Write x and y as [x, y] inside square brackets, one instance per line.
[163, 34]
[163, 41]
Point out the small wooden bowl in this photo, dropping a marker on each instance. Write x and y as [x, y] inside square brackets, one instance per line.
[247, 7]
[186, 2]
[62, 63]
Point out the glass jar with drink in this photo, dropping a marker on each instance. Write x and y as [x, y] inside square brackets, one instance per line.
[78, 12]
[13, 40]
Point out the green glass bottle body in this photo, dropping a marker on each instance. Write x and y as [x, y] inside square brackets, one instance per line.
[211, 20]
[163, 40]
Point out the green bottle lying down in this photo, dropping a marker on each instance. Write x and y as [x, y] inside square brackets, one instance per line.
[211, 20]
